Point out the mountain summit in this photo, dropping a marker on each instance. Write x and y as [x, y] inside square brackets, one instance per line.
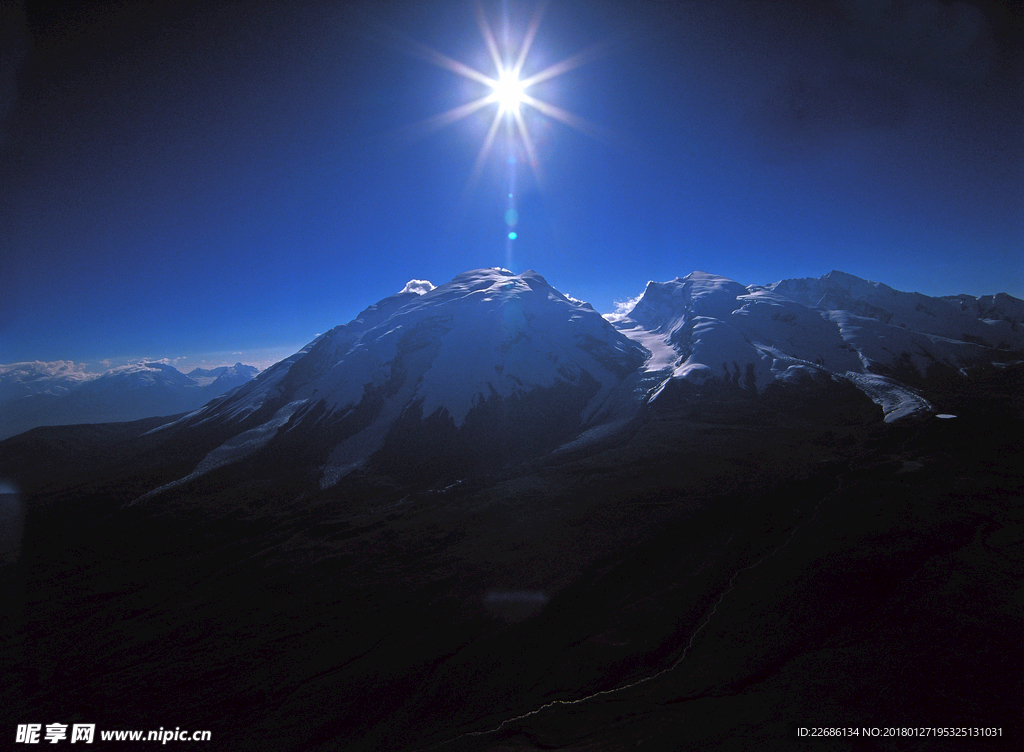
[891, 345]
[487, 369]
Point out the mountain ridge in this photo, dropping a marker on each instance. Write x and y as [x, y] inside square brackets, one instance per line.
[501, 367]
[883, 341]
[495, 367]
[659, 551]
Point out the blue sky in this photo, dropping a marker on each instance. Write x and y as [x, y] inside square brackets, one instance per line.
[209, 184]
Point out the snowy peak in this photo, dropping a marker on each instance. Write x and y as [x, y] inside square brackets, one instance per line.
[841, 291]
[993, 321]
[666, 305]
[142, 376]
[885, 342]
[487, 332]
[480, 360]
[238, 372]
[998, 307]
[19, 380]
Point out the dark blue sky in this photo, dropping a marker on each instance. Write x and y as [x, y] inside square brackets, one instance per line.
[195, 182]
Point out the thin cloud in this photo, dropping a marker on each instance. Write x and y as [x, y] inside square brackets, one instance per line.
[52, 368]
[35, 377]
[622, 309]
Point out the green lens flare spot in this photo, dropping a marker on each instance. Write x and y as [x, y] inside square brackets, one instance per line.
[511, 217]
[512, 236]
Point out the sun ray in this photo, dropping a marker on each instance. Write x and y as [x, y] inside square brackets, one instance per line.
[443, 61]
[481, 157]
[531, 33]
[588, 55]
[508, 91]
[436, 122]
[492, 44]
[531, 153]
[574, 121]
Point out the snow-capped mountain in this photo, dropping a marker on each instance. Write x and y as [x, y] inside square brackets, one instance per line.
[837, 328]
[489, 368]
[224, 377]
[994, 321]
[495, 367]
[19, 380]
[38, 397]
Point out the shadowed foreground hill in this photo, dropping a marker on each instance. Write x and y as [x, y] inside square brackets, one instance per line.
[765, 576]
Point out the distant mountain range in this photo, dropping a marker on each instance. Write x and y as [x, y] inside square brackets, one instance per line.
[39, 394]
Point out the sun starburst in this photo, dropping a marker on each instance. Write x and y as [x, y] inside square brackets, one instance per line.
[508, 91]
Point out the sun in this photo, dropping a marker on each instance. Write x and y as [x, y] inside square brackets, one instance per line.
[509, 91]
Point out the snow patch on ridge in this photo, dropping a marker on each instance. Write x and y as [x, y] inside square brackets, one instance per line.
[896, 400]
[234, 449]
